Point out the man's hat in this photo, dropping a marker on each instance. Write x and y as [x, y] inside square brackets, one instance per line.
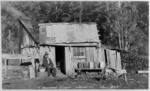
[46, 53]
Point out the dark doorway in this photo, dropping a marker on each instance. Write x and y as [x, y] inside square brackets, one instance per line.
[60, 58]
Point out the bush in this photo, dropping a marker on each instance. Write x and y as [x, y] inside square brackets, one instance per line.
[134, 62]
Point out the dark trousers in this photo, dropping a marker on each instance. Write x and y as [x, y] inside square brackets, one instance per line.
[51, 71]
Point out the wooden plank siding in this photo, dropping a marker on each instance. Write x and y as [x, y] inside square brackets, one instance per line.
[89, 54]
[97, 55]
[29, 50]
[28, 44]
[69, 61]
[119, 66]
[101, 57]
[26, 40]
[113, 59]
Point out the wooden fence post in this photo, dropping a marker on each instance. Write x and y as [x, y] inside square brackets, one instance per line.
[5, 63]
[125, 75]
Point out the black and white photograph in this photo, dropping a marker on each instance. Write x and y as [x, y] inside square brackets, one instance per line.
[59, 45]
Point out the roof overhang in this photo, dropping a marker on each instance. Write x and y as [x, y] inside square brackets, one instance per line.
[93, 44]
[64, 23]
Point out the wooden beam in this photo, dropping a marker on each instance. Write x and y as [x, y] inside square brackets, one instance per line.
[9, 67]
[30, 46]
[125, 75]
[71, 45]
[19, 56]
[5, 63]
[47, 24]
[29, 55]
[142, 71]
[69, 62]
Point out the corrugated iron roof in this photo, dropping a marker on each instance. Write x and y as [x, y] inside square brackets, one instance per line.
[70, 32]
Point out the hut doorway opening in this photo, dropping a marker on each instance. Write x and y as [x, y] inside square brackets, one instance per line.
[60, 58]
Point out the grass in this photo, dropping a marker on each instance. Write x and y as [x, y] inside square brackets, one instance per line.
[135, 81]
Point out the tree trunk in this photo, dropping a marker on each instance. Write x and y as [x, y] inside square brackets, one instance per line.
[107, 6]
[119, 37]
[80, 17]
[122, 42]
[126, 39]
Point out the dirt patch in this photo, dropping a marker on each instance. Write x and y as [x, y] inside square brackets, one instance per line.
[135, 81]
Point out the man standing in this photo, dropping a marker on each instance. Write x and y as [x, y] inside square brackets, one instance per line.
[48, 64]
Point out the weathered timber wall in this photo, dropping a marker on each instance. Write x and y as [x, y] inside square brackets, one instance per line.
[30, 51]
[27, 44]
[113, 59]
[91, 55]
[27, 41]
[101, 57]
[69, 61]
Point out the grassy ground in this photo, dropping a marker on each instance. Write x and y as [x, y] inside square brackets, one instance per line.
[135, 81]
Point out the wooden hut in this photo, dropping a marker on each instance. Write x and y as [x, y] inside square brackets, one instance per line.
[71, 43]
[29, 50]
[68, 44]
[28, 43]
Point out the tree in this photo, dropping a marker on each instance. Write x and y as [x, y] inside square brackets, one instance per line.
[118, 27]
[9, 30]
[123, 23]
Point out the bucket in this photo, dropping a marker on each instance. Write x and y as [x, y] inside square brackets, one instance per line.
[102, 64]
[42, 69]
[80, 65]
[85, 65]
[99, 65]
[37, 67]
[91, 65]
[75, 65]
[96, 64]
